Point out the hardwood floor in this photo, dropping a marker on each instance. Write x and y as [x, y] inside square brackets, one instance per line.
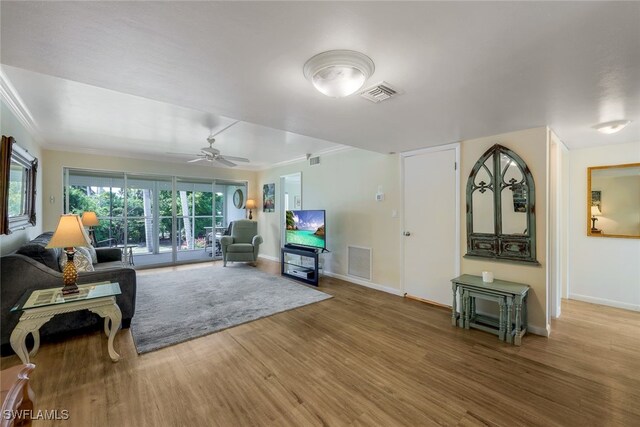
[361, 358]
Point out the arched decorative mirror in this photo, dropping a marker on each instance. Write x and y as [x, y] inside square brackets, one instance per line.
[501, 221]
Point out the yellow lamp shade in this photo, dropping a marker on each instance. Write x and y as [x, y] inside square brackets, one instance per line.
[595, 211]
[251, 204]
[89, 219]
[69, 233]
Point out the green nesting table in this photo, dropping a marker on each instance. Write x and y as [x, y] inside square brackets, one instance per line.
[511, 297]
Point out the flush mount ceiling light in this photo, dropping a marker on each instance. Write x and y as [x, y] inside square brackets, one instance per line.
[611, 127]
[339, 73]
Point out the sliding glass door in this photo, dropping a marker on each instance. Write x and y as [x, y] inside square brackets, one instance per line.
[194, 202]
[102, 194]
[147, 200]
[204, 212]
[157, 219]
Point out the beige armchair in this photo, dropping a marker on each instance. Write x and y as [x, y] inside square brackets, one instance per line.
[243, 243]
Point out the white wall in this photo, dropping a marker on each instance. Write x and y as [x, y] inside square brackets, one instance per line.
[603, 270]
[56, 161]
[11, 126]
[345, 184]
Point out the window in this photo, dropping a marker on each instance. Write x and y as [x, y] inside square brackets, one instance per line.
[18, 187]
[102, 193]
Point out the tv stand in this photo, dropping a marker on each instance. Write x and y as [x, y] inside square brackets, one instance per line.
[300, 263]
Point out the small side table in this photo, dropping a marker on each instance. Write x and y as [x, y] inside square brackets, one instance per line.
[40, 306]
[511, 297]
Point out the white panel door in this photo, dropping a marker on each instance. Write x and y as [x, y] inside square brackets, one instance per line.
[430, 222]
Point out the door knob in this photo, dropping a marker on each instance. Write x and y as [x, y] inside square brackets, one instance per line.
[406, 233]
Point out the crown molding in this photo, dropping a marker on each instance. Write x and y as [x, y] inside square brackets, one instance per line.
[17, 106]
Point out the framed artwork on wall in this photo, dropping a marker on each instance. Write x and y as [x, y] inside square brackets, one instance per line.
[269, 197]
[596, 199]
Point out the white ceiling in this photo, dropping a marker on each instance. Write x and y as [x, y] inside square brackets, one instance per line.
[467, 69]
[79, 117]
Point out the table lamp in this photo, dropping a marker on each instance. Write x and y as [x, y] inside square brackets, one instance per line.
[251, 204]
[69, 233]
[595, 211]
[90, 219]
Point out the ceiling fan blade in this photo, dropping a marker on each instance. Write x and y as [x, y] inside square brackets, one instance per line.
[224, 161]
[196, 160]
[237, 159]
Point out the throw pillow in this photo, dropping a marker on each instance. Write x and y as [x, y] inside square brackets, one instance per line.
[81, 259]
[85, 251]
[38, 252]
[94, 255]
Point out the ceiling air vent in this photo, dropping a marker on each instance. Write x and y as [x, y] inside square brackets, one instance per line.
[379, 92]
[314, 160]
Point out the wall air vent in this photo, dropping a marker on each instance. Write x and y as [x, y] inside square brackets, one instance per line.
[314, 160]
[359, 262]
[379, 92]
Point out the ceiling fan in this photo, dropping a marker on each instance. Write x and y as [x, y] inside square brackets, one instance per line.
[212, 155]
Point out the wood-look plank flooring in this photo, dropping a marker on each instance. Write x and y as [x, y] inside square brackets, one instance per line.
[361, 358]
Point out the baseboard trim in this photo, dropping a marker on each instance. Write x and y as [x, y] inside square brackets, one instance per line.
[365, 283]
[269, 257]
[537, 330]
[426, 301]
[603, 301]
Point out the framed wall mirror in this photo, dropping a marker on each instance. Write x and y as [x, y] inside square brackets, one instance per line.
[613, 201]
[501, 221]
[17, 187]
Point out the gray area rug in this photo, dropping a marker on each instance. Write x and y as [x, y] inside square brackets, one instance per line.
[176, 306]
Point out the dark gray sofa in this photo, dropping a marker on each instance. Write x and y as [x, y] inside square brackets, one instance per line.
[33, 267]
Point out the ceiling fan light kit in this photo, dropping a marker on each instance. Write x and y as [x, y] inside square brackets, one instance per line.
[338, 73]
[212, 155]
[612, 126]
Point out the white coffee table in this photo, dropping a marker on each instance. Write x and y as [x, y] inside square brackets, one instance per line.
[39, 306]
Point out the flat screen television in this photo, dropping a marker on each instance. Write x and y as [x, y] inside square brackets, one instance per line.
[306, 228]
